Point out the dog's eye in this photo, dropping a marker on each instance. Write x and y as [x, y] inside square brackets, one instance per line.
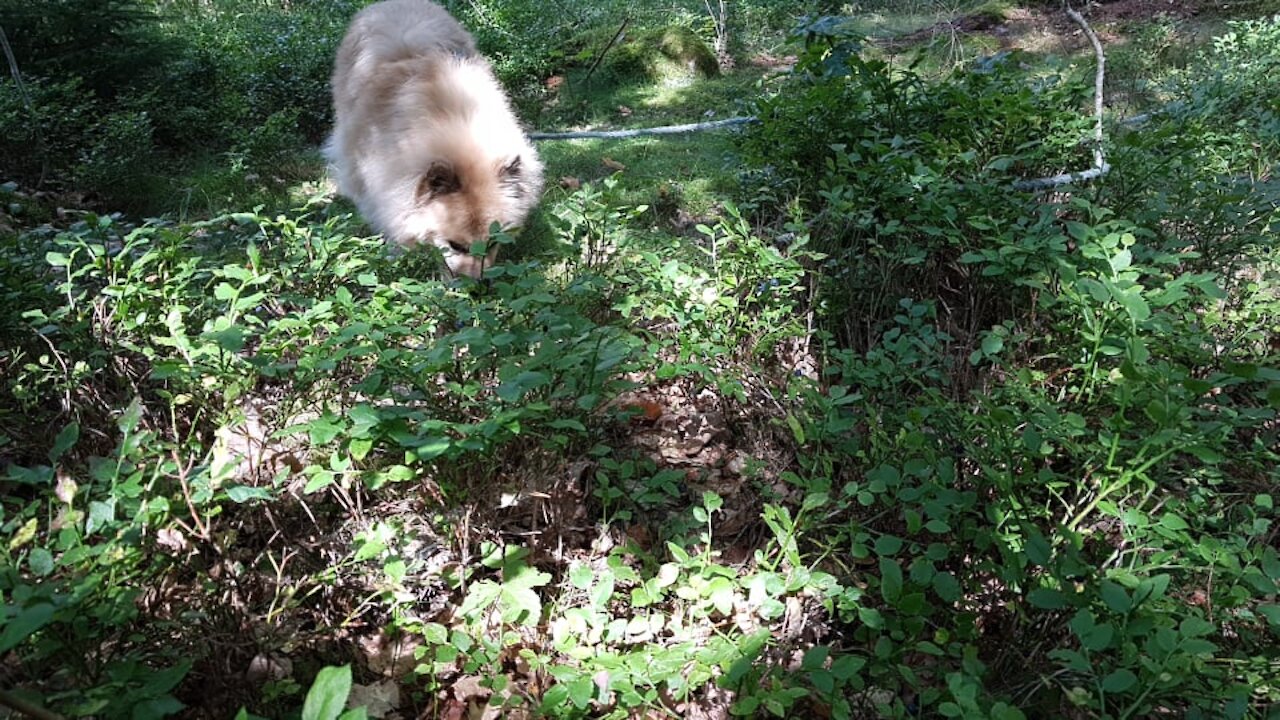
[439, 180]
[458, 247]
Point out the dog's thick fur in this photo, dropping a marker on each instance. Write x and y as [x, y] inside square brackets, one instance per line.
[424, 139]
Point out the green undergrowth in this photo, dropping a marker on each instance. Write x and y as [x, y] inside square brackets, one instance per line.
[823, 419]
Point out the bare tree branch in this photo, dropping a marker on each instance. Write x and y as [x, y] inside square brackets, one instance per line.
[26, 100]
[607, 48]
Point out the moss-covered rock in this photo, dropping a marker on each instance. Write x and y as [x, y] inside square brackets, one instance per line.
[683, 47]
[659, 54]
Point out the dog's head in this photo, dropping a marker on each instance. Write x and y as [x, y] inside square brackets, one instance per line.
[464, 190]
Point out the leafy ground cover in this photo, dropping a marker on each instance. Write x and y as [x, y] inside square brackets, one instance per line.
[819, 419]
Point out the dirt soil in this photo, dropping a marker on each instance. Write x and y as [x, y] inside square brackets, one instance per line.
[1049, 29]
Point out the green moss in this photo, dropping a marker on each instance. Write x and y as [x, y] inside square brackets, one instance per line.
[682, 46]
[992, 12]
[658, 54]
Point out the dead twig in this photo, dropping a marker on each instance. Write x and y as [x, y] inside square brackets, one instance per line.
[606, 50]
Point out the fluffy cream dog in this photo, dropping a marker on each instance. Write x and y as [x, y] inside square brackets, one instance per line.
[424, 139]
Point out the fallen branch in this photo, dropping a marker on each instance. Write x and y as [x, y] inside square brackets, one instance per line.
[29, 709]
[641, 132]
[1100, 166]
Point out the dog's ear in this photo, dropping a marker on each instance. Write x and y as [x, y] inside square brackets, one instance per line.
[511, 176]
[440, 179]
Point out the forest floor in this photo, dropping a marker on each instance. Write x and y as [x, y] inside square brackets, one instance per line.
[425, 582]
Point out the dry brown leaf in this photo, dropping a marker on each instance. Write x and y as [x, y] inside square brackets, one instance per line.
[172, 540]
[266, 668]
[66, 488]
[469, 688]
[379, 699]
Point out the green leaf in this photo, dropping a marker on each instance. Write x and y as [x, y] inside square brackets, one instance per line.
[711, 501]
[479, 597]
[1121, 260]
[321, 480]
[603, 590]
[520, 605]
[230, 340]
[1272, 614]
[27, 622]
[947, 587]
[360, 448]
[516, 574]
[580, 691]
[1098, 637]
[1003, 711]
[429, 448]
[796, 430]
[1196, 627]
[1271, 563]
[581, 575]
[324, 429]
[40, 561]
[163, 681]
[328, 694]
[1115, 597]
[1119, 681]
[1047, 599]
[815, 658]
[992, 344]
[1134, 304]
[395, 570]
[101, 514]
[515, 389]
[721, 593]
[64, 442]
[435, 633]
[890, 580]
[132, 415]
[156, 708]
[823, 681]
[554, 699]
[1038, 549]
[370, 548]
[888, 545]
[845, 667]
[1198, 646]
[245, 493]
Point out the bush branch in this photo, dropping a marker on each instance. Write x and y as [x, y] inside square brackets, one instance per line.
[1100, 166]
